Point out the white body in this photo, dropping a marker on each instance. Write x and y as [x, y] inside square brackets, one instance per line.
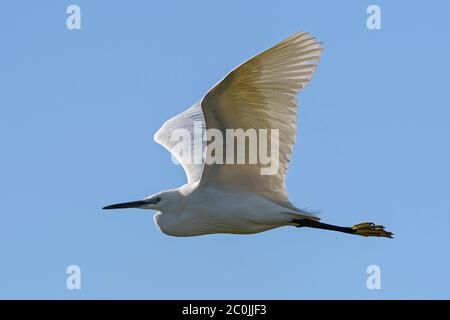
[199, 211]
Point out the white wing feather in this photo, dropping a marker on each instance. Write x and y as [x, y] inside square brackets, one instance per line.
[171, 137]
[261, 94]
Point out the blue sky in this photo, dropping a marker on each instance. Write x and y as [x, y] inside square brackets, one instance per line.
[78, 112]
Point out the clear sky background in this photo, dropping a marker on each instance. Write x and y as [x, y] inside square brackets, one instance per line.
[78, 110]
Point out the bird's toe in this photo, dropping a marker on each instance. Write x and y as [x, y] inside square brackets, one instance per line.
[369, 229]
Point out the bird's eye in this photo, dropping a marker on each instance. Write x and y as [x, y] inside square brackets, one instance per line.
[157, 199]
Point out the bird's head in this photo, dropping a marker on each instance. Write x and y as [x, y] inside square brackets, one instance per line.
[160, 201]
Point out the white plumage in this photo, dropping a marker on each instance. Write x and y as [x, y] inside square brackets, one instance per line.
[235, 198]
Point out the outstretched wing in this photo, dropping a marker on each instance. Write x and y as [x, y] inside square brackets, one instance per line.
[261, 94]
[182, 136]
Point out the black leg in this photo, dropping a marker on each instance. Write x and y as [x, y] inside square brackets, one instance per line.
[319, 225]
[366, 229]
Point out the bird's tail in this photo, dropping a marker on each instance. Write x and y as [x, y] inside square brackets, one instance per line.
[301, 215]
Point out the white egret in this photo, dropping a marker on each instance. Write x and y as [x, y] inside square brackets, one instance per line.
[236, 198]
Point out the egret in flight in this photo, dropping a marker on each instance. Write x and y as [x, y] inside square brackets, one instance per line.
[237, 198]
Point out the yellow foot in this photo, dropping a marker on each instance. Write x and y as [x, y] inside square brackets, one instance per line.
[369, 229]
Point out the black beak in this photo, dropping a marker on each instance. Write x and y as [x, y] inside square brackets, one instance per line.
[125, 205]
